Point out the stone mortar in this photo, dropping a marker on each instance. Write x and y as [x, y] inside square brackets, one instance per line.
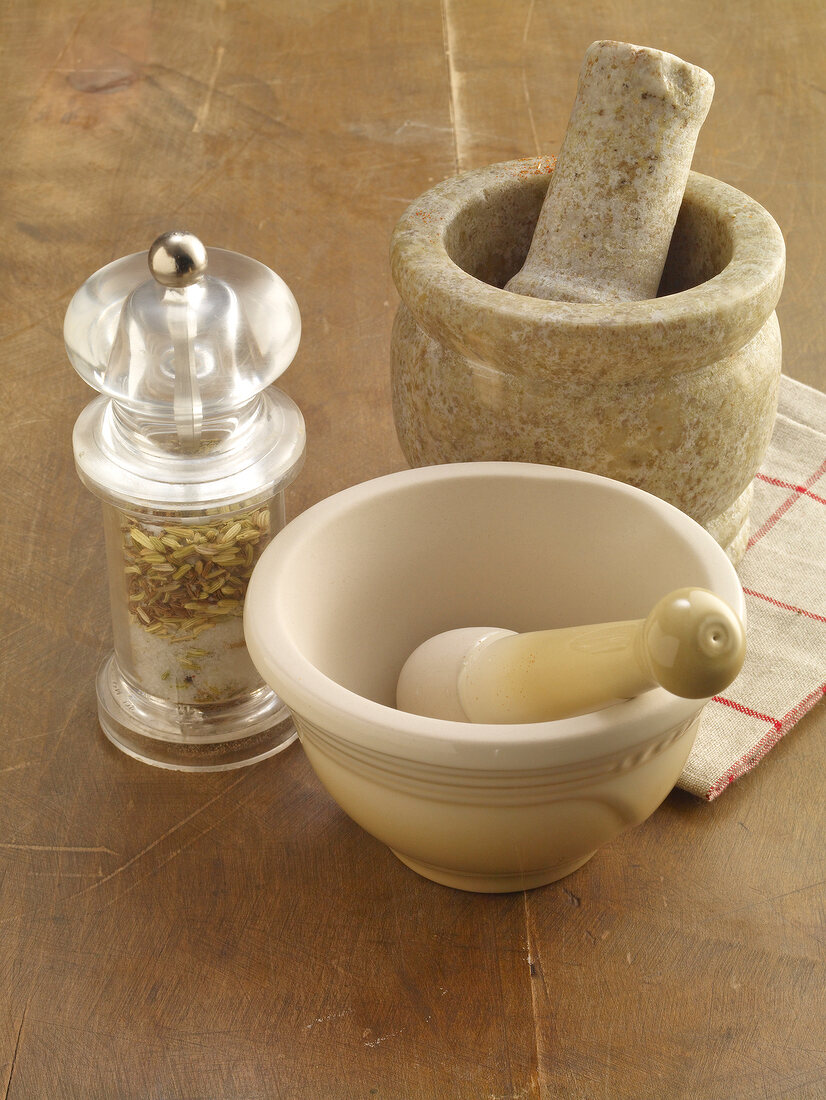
[676, 394]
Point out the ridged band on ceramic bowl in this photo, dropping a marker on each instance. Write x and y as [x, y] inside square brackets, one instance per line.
[676, 395]
[351, 586]
[511, 830]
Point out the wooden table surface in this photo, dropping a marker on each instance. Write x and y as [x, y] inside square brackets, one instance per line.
[234, 935]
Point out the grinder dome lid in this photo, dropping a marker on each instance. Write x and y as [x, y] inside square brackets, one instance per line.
[181, 331]
[183, 353]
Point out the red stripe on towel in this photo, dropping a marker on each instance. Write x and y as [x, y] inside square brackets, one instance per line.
[780, 726]
[799, 490]
[785, 606]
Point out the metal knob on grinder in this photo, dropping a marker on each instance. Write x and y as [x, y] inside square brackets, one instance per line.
[177, 259]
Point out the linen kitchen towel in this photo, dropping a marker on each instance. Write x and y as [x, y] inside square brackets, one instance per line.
[784, 580]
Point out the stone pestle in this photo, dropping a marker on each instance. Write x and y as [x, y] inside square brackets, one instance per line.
[606, 223]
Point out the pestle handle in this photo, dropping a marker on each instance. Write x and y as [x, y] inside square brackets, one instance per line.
[691, 643]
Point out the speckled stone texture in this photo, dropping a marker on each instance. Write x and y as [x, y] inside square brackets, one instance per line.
[676, 394]
[606, 222]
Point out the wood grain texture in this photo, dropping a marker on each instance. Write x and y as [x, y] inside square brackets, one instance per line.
[167, 936]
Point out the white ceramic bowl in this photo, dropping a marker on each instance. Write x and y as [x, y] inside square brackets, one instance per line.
[346, 591]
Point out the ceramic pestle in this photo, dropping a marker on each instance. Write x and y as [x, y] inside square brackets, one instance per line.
[691, 643]
[605, 226]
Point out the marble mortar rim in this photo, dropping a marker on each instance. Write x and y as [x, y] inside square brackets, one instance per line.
[658, 336]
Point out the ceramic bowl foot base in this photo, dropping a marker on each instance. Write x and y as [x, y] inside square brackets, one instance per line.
[496, 883]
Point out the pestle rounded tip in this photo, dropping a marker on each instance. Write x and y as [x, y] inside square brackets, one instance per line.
[694, 643]
[428, 683]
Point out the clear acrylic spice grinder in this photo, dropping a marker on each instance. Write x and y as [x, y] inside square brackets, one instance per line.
[190, 449]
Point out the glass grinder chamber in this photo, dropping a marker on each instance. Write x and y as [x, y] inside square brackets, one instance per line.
[190, 450]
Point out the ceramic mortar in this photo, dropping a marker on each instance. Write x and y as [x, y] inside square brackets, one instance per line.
[676, 395]
[352, 586]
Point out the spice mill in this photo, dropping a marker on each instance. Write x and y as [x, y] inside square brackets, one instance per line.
[190, 449]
